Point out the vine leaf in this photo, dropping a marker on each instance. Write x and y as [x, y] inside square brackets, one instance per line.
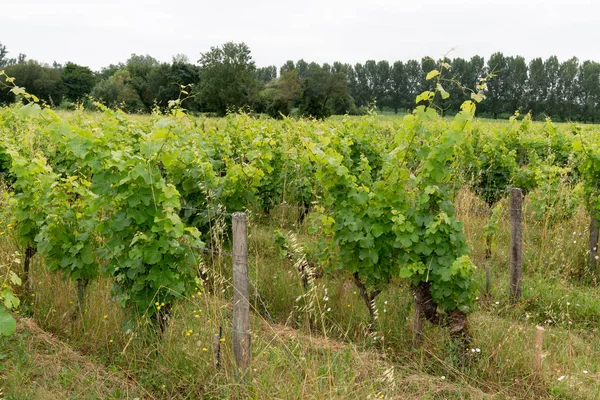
[432, 74]
[8, 325]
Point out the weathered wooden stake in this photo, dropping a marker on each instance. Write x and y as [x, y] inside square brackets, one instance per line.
[488, 268]
[539, 340]
[241, 292]
[593, 253]
[516, 244]
[418, 325]
[216, 351]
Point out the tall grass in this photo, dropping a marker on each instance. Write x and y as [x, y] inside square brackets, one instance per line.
[313, 341]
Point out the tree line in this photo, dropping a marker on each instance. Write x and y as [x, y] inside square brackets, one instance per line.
[226, 78]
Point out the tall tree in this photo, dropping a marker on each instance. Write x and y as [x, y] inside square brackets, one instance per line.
[139, 67]
[324, 93]
[118, 91]
[537, 87]
[227, 78]
[282, 94]
[460, 72]
[398, 86]
[78, 81]
[371, 79]
[589, 84]
[41, 80]
[568, 88]
[552, 69]
[427, 64]
[266, 74]
[414, 82]
[382, 84]
[288, 66]
[516, 83]
[4, 60]
[496, 87]
[302, 68]
[363, 94]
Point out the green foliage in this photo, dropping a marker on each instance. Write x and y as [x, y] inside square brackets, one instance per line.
[555, 199]
[227, 80]
[146, 245]
[390, 221]
[281, 95]
[323, 93]
[4, 60]
[78, 81]
[589, 168]
[132, 198]
[67, 239]
[8, 301]
[28, 205]
[118, 92]
[40, 80]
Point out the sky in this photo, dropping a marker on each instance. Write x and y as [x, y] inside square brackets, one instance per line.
[99, 33]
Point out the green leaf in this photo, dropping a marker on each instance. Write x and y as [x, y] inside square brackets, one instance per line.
[405, 272]
[8, 325]
[87, 254]
[442, 91]
[18, 90]
[170, 191]
[478, 97]
[468, 107]
[14, 279]
[425, 96]
[141, 170]
[30, 110]
[432, 74]
[162, 123]
[10, 301]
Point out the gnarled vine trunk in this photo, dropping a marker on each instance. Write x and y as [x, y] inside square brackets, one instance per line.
[425, 306]
[303, 211]
[368, 297]
[162, 317]
[488, 270]
[29, 253]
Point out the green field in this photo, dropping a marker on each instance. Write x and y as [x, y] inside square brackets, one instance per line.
[135, 184]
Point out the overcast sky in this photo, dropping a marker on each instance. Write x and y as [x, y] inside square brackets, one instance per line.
[98, 33]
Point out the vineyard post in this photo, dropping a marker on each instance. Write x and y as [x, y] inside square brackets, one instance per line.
[516, 243]
[593, 242]
[418, 324]
[216, 351]
[537, 360]
[241, 292]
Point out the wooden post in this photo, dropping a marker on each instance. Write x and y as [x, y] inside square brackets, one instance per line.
[241, 292]
[216, 351]
[488, 268]
[538, 345]
[592, 261]
[516, 244]
[418, 324]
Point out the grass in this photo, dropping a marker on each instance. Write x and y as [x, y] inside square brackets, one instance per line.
[316, 344]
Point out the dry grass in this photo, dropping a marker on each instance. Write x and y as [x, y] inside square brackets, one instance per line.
[330, 354]
[43, 367]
